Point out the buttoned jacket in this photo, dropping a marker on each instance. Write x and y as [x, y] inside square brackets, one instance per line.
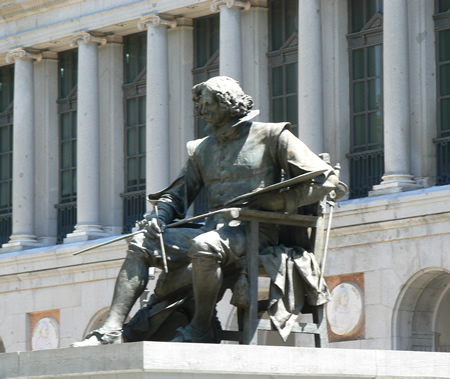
[244, 157]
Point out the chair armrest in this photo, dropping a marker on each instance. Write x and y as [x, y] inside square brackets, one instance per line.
[270, 217]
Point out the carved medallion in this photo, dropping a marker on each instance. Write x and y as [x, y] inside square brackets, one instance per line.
[345, 310]
[45, 334]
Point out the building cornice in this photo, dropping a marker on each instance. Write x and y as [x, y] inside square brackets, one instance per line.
[56, 34]
[13, 11]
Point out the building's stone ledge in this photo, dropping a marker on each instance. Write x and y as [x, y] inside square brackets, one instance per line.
[55, 260]
[425, 202]
[415, 227]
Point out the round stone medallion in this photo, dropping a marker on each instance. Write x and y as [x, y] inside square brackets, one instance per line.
[344, 311]
[45, 334]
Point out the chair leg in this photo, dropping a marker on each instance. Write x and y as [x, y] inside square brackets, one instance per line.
[250, 333]
[240, 319]
[320, 319]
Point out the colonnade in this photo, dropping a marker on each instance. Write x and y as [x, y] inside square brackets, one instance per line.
[89, 165]
[158, 114]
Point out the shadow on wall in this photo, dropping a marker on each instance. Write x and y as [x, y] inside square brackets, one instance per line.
[420, 319]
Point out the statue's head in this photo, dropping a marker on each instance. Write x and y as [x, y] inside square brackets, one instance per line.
[227, 92]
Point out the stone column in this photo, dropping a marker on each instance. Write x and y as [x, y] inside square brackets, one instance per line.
[336, 80]
[181, 51]
[88, 140]
[157, 102]
[111, 134]
[397, 159]
[423, 98]
[310, 78]
[23, 201]
[230, 36]
[255, 38]
[47, 146]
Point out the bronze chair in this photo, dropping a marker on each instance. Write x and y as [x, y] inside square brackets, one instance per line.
[306, 229]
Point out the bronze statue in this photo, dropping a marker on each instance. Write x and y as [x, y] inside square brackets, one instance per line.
[237, 157]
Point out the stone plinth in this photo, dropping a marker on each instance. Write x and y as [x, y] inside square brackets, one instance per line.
[169, 360]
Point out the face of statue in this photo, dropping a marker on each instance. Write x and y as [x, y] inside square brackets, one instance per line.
[211, 112]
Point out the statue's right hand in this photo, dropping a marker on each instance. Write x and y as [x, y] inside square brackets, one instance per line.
[154, 228]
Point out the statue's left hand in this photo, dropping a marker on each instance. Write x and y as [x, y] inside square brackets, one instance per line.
[267, 201]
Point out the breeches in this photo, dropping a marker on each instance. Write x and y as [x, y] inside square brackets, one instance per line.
[221, 246]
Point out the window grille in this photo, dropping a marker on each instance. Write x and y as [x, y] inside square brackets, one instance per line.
[135, 56]
[282, 59]
[67, 219]
[6, 150]
[133, 209]
[206, 63]
[5, 226]
[366, 95]
[365, 168]
[67, 109]
[442, 142]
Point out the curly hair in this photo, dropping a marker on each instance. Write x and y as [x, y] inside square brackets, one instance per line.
[229, 93]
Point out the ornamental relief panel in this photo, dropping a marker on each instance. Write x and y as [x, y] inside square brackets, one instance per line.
[345, 311]
[44, 329]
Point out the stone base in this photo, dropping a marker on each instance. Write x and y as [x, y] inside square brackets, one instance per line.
[21, 242]
[113, 230]
[170, 360]
[84, 233]
[394, 184]
[47, 241]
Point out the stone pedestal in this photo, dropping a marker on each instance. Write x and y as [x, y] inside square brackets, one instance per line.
[394, 184]
[189, 360]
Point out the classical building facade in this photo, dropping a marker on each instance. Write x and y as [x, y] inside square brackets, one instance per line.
[96, 109]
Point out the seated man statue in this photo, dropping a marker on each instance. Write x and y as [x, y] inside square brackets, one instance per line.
[237, 157]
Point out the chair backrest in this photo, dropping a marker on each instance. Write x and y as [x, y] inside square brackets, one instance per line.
[311, 239]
